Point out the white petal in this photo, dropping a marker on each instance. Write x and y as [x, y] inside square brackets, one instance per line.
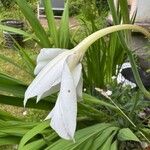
[77, 74]
[79, 89]
[78, 80]
[63, 116]
[54, 89]
[45, 56]
[47, 77]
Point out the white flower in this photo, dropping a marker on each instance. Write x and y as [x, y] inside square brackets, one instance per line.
[59, 69]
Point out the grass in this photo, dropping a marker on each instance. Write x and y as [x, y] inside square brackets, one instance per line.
[20, 112]
[14, 71]
[23, 113]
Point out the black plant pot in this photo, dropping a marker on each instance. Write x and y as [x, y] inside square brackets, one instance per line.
[11, 37]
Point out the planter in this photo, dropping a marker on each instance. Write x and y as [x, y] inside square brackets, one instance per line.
[9, 36]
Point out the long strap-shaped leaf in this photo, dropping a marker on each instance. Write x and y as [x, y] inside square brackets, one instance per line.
[18, 31]
[11, 86]
[9, 140]
[11, 61]
[51, 21]
[34, 22]
[4, 78]
[124, 11]
[16, 101]
[6, 116]
[82, 136]
[36, 130]
[128, 51]
[15, 90]
[28, 61]
[64, 35]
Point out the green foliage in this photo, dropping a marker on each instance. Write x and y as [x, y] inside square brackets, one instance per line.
[34, 22]
[118, 15]
[100, 136]
[77, 7]
[29, 135]
[59, 36]
[74, 7]
[99, 66]
[126, 134]
[103, 57]
[12, 131]
[7, 3]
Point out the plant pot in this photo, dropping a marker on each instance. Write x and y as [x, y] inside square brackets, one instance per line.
[11, 37]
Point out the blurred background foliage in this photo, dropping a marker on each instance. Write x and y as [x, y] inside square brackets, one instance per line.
[100, 65]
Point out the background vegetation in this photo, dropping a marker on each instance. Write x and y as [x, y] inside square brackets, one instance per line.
[123, 123]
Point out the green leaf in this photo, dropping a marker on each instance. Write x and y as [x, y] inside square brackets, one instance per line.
[146, 132]
[18, 31]
[126, 134]
[86, 145]
[64, 35]
[93, 100]
[11, 132]
[11, 86]
[10, 140]
[6, 116]
[4, 78]
[81, 137]
[38, 144]
[11, 61]
[107, 144]
[30, 134]
[92, 112]
[30, 64]
[102, 137]
[114, 145]
[34, 22]
[113, 11]
[124, 11]
[51, 21]
[16, 124]
[16, 101]
[14, 131]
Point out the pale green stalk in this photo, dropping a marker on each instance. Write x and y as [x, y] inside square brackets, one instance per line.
[82, 47]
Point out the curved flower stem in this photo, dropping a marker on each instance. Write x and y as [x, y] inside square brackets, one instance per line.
[84, 45]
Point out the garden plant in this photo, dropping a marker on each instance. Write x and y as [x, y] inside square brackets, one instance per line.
[70, 78]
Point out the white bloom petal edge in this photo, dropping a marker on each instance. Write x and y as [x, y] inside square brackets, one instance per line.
[45, 80]
[78, 80]
[63, 116]
[45, 56]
